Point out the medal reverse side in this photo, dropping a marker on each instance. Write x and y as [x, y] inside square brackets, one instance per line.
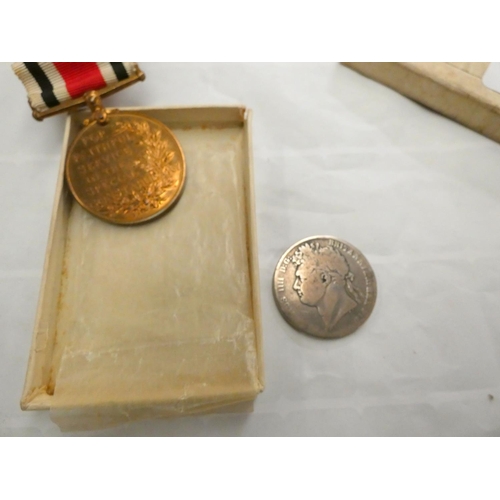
[127, 171]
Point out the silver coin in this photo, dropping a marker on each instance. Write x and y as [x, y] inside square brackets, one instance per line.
[325, 287]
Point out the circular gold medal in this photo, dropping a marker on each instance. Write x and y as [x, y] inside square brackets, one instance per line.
[126, 171]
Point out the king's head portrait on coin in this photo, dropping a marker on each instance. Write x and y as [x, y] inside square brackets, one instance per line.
[323, 280]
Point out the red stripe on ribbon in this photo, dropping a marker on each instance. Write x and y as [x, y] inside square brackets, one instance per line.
[80, 77]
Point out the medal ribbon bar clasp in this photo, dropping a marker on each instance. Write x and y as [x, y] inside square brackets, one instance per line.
[58, 87]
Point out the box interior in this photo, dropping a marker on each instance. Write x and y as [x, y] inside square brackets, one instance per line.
[164, 314]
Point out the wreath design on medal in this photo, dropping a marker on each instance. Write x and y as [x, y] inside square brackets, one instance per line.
[323, 279]
[160, 173]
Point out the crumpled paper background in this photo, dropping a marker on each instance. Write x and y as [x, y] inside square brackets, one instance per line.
[337, 154]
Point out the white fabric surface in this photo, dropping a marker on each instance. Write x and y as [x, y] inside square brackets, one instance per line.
[335, 153]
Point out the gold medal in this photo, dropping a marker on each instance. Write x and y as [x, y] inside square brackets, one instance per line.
[122, 167]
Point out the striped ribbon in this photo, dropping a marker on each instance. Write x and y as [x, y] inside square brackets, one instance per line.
[50, 84]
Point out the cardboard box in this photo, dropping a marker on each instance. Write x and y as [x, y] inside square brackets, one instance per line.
[161, 319]
[455, 90]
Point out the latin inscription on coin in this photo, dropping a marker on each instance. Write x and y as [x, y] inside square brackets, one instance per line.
[324, 287]
[126, 171]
